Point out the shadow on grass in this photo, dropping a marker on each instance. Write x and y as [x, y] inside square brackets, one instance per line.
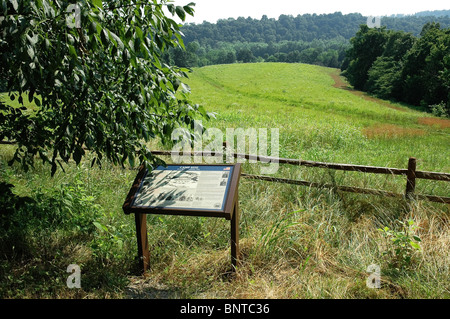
[142, 288]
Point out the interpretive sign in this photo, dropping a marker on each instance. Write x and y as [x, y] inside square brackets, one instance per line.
[185, 187]
[188, 190]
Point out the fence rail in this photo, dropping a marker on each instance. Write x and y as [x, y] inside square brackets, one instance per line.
[411, 174]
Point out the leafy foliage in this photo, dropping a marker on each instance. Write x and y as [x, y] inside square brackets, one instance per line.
[384, 77]
[397, 65]
[426, 68]
[98, 82]
[67, 207]
[401, 245]
[306, 28]
[313, 39]
[40, 235]
[367, 46]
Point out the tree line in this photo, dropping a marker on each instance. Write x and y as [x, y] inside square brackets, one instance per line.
[401, 66]
[321, 52]
[310, 38]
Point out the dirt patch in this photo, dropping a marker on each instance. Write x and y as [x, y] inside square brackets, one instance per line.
[432, 121]
[145, 288]
[391, 131]
[339, 83]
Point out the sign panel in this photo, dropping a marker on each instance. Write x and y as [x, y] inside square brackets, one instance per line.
[185, 187]
[191, 190]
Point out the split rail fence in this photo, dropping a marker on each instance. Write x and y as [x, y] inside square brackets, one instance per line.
[411, 173]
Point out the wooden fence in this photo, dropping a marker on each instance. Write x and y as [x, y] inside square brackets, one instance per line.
[411, 174]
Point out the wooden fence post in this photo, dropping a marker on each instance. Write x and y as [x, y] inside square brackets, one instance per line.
[411, 179]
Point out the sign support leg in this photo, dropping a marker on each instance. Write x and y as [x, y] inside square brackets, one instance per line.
[142, 242]
[235, 236]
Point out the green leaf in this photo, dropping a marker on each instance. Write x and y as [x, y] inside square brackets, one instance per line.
[33, 39]
[98, 3]
[100, 226]
[126, 56]
[77, 154]
[131, 159]
[30, 51]
[139, 33]
[116, 40]
[188, 9]
[176, 84]
[72, 50]
[185, 88]
[104, 37]
[14, 4]
[171, 8]
[23, 82]
[180, 13]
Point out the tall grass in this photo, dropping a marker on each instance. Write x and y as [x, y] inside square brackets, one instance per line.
[296, 242]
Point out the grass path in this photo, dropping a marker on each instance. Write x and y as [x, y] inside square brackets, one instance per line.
[340, 83]
[319, 116]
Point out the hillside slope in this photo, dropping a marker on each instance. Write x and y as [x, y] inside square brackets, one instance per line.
[319, 120]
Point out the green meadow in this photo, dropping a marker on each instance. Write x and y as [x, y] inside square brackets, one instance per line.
[317, 121]
[296, 242]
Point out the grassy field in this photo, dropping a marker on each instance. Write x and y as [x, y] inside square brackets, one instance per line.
[296, 242]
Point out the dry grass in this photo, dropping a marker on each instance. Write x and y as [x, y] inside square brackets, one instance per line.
[321, 250]
[391, 131]
[340, 83]
[296, 243]
[432, 121]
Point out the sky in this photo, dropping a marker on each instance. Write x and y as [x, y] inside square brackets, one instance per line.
[212, 10]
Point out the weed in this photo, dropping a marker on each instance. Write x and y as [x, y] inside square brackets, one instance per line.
[275, 237]
[401, 245]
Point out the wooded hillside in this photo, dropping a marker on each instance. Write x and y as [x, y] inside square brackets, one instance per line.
[309, 38]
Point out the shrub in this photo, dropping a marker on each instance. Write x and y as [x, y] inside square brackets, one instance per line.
[401, 245]
[440, 110]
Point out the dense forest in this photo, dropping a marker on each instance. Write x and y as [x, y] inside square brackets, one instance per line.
[309, 38]
[400, 66]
